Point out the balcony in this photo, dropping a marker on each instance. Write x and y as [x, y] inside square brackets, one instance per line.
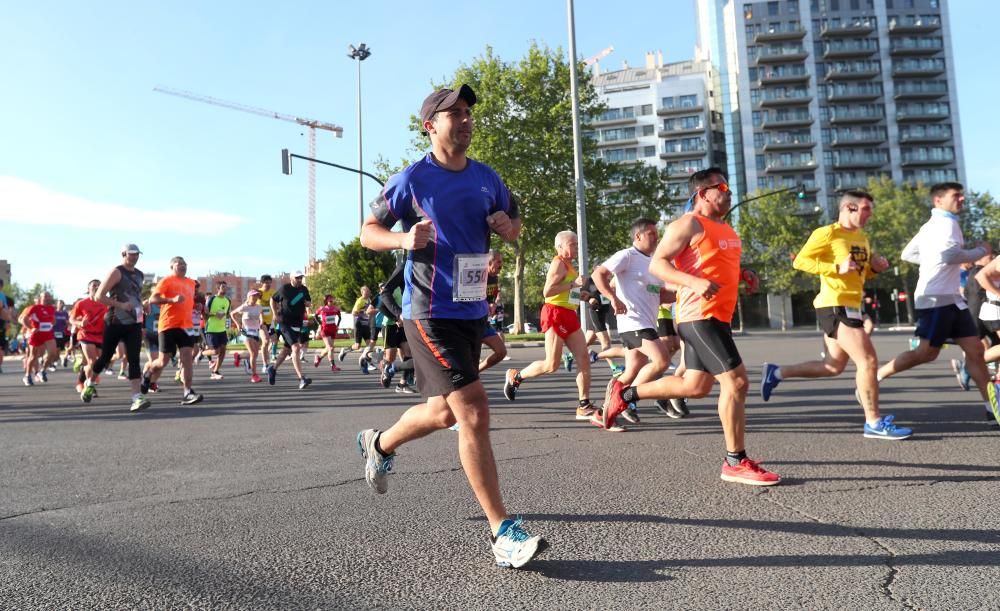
[688, 151]
[785, 98]
[613, 120]
[620, 142]
[922, 25]
[788, 120]
[856, 115]
[914, 136]
[920, 90]
[678, 109]
[860, 161]
[796, 165]
[777, 55]
[855, 28]
[918, 67]
[915, 46]
[850, 138]
[852, 71]
[918, 157]
[780, 33]
[863, 92]
[849, 48]
[783, 77]
[680, 131]
[787, 143]
[922, 113]
[675, 172]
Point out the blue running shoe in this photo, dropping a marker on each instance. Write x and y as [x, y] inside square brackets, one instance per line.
[617, 371]
[961, 374]
[593, 356]
[377, 467]
[768, 381]
[272, 373]
[363, 365]
[885, 429]
[514, 546]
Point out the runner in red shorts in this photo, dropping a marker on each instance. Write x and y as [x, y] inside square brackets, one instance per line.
[561, 325]
[39, 320]
[328, 318]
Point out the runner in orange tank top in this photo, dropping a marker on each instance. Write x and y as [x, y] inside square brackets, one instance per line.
[700, 254]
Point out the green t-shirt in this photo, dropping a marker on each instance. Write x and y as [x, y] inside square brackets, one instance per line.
[214, 324]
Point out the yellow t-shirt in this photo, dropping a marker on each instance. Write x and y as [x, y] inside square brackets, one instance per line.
[265, 306]
[563, 299]
[821, 255]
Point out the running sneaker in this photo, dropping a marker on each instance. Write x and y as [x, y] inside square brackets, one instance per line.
[154, 387]
[333, 367]
[44, 376]
[404, 388]
[236, 359]
[386, 378]
[680, 404]
[453, 427]
[584, 412]
[958, 366]
[593, 356]
[177, 376]
[991, 392]
[613, 402]
[665, 408]
[52, 368]
[38, 378]
[191, 397]
[748, 472]
[303, 382]
[598, 420]
[567, 361]
[79, 389]
[77, 365]
[65, 361]
[121, 374]
[768, 381]
[146, 384]
[139, 403]
[89, 392]
[510, 384]
[271, 374]
[316, 361]
[631, 414]
[342, 354]
[255, 379]
[617, 370]
[885, 429]
[377, 467]
[215, 375]
[514, 546]
[364, 364]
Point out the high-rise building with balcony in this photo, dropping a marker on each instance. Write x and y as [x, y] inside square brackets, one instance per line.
[830, 93]
[663, 115]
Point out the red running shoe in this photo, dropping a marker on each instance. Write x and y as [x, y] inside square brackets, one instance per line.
[236, 359]
[613, 402]
[333, 367]
[749, 472]
[316, 361]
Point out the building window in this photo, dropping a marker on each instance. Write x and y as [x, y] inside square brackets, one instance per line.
[649, 151]
[834, 5]
[748, 11]
[772, 9]
[647, 130]
[855, 5]
[793, 7]
[647, 109]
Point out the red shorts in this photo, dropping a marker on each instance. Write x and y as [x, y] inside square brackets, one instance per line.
[330, 332]
[38, 338]
[561, 320]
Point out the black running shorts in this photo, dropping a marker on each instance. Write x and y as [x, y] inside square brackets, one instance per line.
[709, 346]
[665, 327]
[394, 336]
[172, 340]
[599, 317]
[830, 319]
[633, 339]
[446, 353]
[294, 335]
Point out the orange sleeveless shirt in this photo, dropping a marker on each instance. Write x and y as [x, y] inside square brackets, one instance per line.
[715, 256]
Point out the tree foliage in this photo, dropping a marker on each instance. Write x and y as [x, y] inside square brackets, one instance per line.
[346, 269]
[773, 229]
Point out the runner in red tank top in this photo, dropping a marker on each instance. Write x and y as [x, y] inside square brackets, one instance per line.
[39, 319]
[700, 254]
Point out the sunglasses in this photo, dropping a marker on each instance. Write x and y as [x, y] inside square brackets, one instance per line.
[722, 186]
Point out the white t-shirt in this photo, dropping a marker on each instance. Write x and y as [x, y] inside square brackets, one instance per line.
[251, 317]
[636, 287]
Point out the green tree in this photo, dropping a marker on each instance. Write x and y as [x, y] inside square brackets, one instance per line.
[346, 269]
[773, 230]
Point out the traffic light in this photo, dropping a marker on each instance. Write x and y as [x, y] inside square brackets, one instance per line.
[801, 192]
[286, 162]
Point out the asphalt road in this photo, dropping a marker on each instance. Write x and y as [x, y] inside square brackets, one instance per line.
[256, 499]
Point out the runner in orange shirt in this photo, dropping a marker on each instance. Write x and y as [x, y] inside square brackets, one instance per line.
[700, 254]
[88, 317]
[178, 333]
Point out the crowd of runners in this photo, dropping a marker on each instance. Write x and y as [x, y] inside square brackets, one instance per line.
[673, 296]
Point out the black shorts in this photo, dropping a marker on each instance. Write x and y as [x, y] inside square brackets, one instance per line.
[446, 353]
[633, 339]
[599, 317]
[394, 336]
[172, 340]
[665, 327]
[62, 341]
[294, 335]
[268, 330]
[831, 318]
[709, 346]
[937, 325]
[375, 332]
[152, 340]
[98, 345]
[362, 332]
[989, 330]
[217, 339]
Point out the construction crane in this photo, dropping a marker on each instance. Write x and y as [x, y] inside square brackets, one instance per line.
[593, 59]
[312, 124]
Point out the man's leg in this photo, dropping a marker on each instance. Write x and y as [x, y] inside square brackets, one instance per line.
[553, 353]
[187, 367]
[975, 363]
[297, 349]
[857, 343]
[578, 348]
[499, 351]
[832, 365]
[924, 353]
[732, 401]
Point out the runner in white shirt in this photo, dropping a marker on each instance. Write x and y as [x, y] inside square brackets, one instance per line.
[635, 299]
[248, 318]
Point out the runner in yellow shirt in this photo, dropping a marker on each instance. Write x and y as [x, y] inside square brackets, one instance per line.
[270, 334]
[842, 258]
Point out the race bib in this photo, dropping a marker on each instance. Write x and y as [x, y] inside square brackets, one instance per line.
[470, 277]
[266, 310]
[574, 296]
[296, 329]
[853, 313]
[653, 288]
[196, 319]
[331, 320]
[254, 333]
[59, 335]
[138, 314]
[193, 331]
[44, 327]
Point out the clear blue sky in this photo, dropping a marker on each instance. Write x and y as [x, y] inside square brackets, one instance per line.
[91, 157]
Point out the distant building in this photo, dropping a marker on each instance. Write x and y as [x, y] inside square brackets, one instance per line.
[238, 285]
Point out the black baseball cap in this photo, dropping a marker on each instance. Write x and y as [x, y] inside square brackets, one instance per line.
[445, 98]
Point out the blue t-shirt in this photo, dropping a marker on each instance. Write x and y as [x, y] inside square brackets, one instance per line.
[152, 321]
[457, 203]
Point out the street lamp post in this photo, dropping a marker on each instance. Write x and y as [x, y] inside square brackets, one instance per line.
[360, 53]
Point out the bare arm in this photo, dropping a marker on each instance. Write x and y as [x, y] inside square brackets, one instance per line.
[102, 293]
[554, 279]
[375, 236]
[989, 275]
[602, 280]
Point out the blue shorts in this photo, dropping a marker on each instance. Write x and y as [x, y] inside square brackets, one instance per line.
[937, 325]
[489, 332]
